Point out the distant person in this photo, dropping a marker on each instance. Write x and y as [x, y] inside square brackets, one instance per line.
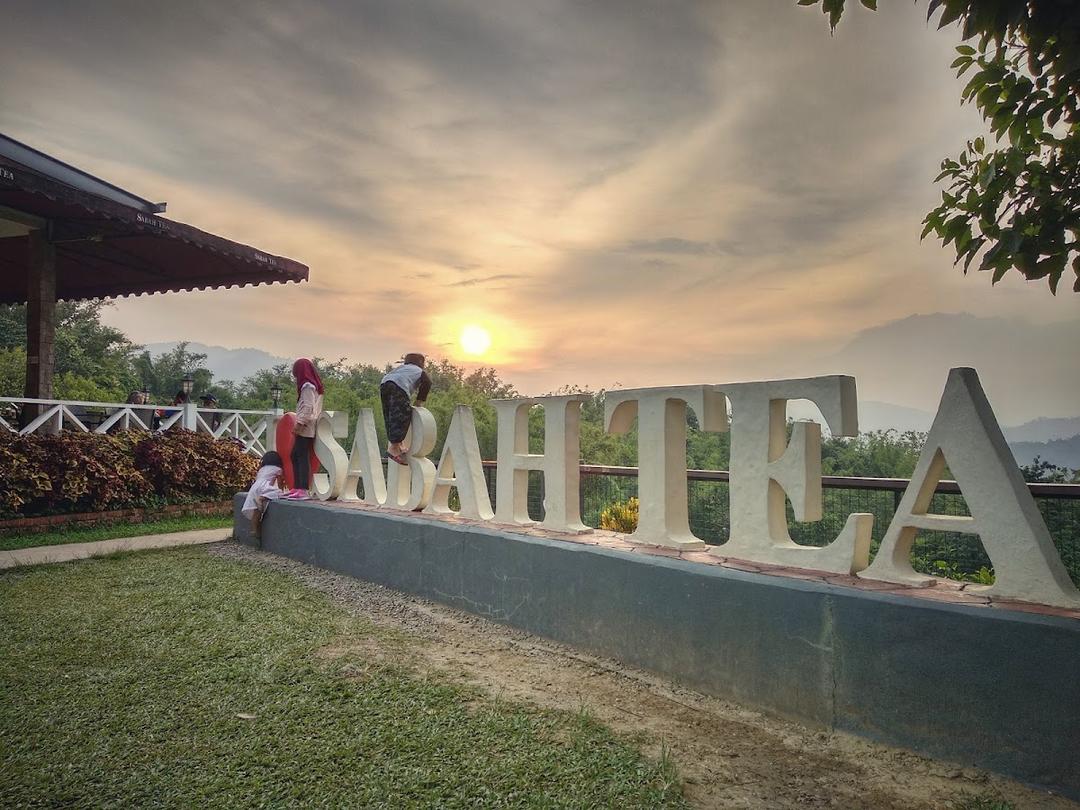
[396, 390]
[269, 485]
[133, 398]
[309, 399]
[209, 402]
[181, 399]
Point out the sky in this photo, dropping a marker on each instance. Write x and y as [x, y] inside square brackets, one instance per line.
[618, 193]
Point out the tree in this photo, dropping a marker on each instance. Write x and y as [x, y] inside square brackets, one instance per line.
[162, 375]
[92, 360]
[12, 371]
[1043, 472]
[1014, 205]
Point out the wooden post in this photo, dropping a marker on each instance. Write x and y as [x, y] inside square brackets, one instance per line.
[40, 319]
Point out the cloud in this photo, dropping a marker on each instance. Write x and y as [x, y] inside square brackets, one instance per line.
[473, 282]
[674, 245]
[658, 192]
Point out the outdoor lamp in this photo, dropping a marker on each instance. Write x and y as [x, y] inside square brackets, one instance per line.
[275, 393]
[187, 384]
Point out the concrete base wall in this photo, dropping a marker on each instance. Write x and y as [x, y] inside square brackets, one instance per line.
[987, 687]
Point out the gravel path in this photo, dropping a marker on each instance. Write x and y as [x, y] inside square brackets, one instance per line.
[728, 756]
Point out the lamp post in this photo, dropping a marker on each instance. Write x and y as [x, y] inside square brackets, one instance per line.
[271, 430]
[189, 419]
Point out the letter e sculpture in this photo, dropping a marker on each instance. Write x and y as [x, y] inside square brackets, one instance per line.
[766, 469]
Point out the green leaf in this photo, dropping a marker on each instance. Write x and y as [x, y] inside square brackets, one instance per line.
[965, 50]
[962, 242]
[973, 249]
[952, 12]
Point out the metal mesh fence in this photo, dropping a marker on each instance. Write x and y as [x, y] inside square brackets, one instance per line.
[945, 553]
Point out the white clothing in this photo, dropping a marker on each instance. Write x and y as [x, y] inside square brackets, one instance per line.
[308, 408]
[264, 487]
[406, 377]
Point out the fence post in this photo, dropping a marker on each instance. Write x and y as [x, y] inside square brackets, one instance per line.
[271, 428]
[188, 420]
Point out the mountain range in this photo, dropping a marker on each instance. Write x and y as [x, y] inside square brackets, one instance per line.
[1056, 440]
[227, 364]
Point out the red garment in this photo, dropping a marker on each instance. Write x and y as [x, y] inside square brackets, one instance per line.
[304, 371]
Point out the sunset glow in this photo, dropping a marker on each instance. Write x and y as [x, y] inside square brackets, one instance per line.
[503, 201]
[475, 340]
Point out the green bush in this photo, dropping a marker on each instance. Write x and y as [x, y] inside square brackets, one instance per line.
[621, 516]
[84, 472]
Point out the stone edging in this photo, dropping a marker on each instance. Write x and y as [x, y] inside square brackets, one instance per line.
[44, 523]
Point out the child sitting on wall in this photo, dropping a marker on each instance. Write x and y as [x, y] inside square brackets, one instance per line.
[269, 485]
[396, 390]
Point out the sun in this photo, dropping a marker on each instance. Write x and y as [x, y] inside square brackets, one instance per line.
[475, 340]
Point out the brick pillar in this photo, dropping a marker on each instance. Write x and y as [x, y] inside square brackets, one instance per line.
[40, 319]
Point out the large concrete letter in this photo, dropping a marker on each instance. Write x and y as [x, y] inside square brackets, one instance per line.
[966, 436]
[661, 415]
[765, 470]
[365, 464]
[410, 488]
[328, 485]
[461, 466]
[559, 463]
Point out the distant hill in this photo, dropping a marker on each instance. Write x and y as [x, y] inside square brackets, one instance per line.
[875, 416]
[1056, 440]
[1027, 369]
[1062, 452]
[886, 416]
[1044, 430]
[227, 364]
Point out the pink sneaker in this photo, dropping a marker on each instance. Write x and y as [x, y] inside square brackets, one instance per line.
[298, 495]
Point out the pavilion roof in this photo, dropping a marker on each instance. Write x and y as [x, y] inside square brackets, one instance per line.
[115, 245]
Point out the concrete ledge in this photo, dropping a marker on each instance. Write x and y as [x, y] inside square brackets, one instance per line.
[993, 688]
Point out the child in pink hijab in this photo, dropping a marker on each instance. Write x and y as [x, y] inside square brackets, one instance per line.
[309, 399]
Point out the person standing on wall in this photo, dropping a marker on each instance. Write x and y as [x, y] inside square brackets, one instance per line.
[309, 400]
[396, 391]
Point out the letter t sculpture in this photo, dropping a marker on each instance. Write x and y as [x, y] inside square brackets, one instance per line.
[661, 415]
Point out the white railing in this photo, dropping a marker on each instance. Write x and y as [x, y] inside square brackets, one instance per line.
[254, 429]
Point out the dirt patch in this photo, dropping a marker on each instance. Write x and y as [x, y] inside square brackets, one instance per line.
[728, 756]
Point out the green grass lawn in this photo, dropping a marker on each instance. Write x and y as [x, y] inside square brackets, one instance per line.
[112, 531]
[179, 679]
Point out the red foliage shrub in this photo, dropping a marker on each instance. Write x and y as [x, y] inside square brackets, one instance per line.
[81, 472]
[23, 478]
[183, 465]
